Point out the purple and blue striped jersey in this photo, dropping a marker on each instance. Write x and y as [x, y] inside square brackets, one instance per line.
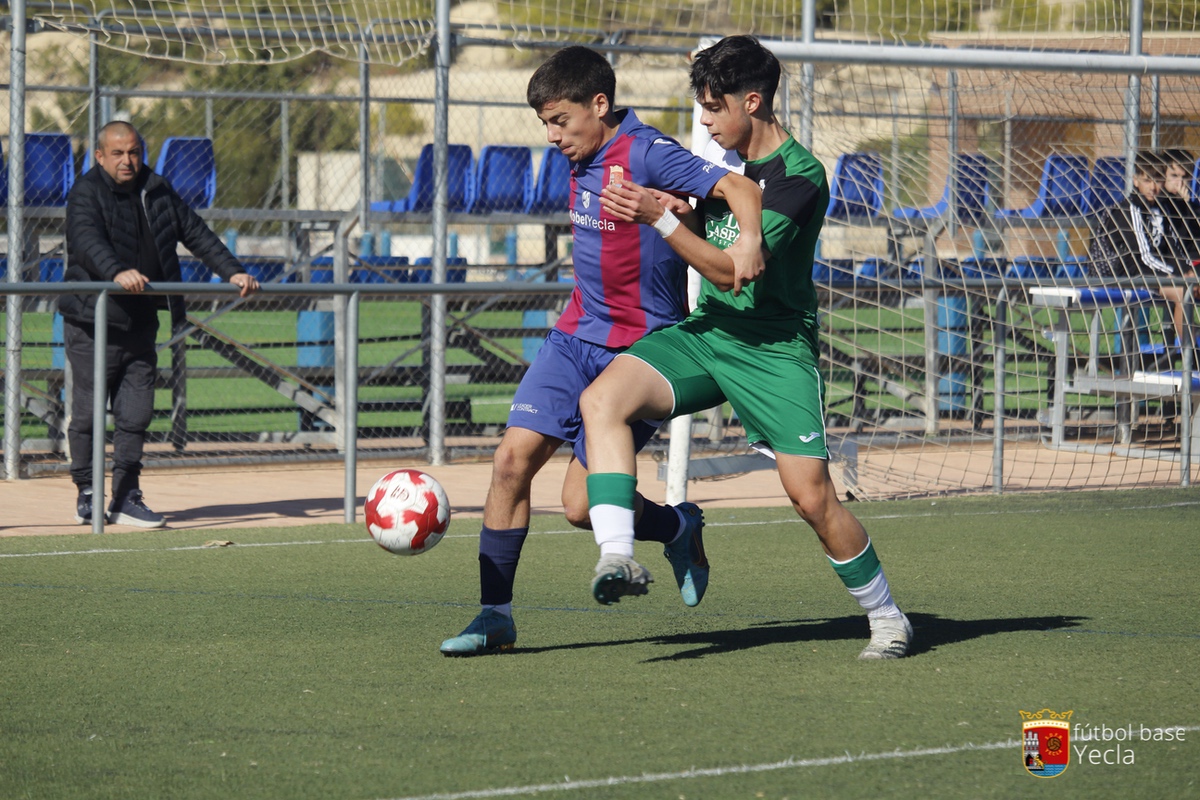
[628, 281]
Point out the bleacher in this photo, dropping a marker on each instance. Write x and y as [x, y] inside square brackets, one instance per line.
[1070, 193]
[502, 186]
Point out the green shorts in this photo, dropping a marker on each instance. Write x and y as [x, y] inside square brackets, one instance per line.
[772, 382]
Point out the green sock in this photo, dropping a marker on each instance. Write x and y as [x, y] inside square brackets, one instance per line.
[610, 506]
[859, 570]
[611, 489]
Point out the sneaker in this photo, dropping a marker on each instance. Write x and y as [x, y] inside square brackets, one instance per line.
[490, 632]
[687, 558]
[890, 638]
[83, 507]
[132, 511]
[617, 576]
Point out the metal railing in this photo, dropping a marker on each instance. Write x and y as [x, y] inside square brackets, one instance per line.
[346, 333]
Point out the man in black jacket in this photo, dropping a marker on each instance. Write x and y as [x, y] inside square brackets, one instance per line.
[1138, 237]
[124, 224]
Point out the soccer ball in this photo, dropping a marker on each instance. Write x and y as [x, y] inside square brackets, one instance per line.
[407, 512]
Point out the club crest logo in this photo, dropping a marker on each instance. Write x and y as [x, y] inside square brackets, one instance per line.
[1046, 735]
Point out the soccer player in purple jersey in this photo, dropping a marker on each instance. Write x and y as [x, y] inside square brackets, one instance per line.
[628, 282]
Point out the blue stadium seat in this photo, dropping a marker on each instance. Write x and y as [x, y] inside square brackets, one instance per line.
[420, 196]
[834, 270]
[193, 270]
[1061, 192]
[266, 269]
[371, 269]
[915, 269]
[552, 193]
[381, 269]
[856, 190]
[503, 180]
[872, 269]
[50, 270]
[1196, 180]
[981, 268]
[188, 163]
[425, 275]
[49, 169]
[973, 194]
[1074, 267]
[322, 270]
[1107, 184]
[1025, 267]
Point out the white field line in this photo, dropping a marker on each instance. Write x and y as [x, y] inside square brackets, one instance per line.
[365, 540]
[568, 785]
[109, 550]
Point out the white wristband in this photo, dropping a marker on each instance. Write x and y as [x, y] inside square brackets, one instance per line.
[666, 224]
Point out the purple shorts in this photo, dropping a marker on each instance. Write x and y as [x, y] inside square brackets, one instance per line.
[547, 400]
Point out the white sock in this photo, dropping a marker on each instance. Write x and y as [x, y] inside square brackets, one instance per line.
[613, 528]
[876, 597]
[503, 608]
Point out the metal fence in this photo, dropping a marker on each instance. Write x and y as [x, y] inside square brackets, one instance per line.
[362, 162]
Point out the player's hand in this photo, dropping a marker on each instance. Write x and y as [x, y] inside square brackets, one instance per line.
[246, 282]
[749, 263]
[131, 280]
[629, 202]
[677, 205]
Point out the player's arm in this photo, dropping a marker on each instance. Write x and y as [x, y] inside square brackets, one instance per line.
[744, 199]
[631, 202]
[681, 208]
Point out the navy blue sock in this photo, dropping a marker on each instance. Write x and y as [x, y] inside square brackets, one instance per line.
[499, 552]
[657, 524]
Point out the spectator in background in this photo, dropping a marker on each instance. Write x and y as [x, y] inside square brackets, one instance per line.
[1177, 201]
[124, 223]
[1137, 238]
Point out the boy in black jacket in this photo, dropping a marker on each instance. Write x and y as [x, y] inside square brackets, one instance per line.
[1137, 237]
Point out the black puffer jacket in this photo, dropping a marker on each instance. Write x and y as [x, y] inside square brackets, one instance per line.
[102, 240]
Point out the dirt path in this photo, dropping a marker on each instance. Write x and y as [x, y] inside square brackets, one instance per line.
[295, 495]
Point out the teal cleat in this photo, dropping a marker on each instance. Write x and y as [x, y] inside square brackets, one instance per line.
[687, 558]
[490, 632]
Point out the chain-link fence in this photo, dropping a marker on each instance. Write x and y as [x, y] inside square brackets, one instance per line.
[976, 163]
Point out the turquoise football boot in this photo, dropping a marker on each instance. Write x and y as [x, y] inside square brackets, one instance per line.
[490, 632]
[687, 558]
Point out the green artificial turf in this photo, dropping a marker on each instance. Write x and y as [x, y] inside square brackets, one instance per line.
[304, 662]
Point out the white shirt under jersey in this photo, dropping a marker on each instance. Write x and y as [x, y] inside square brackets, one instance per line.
[729, 159]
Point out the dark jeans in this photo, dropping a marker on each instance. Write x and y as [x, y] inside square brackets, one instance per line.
[132, 369]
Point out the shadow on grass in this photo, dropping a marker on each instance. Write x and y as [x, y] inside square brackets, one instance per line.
[930, 632]
[224, 513]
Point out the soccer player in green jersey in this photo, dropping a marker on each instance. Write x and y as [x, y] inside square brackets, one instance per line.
[751, 344]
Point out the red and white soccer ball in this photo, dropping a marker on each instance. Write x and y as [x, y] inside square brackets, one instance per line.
[407, 512]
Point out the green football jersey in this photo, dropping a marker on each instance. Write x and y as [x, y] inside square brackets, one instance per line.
[795, 196]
